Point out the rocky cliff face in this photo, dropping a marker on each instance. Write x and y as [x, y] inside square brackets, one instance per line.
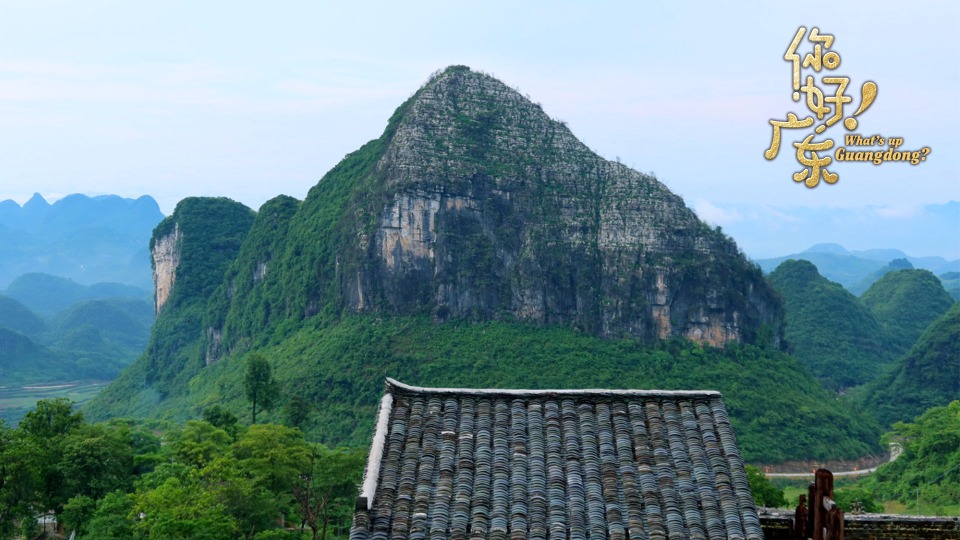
[191, 249]
[166, 259]
[488, 208]
[475, 205]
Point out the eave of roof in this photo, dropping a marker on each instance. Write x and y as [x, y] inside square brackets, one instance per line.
[394, 386]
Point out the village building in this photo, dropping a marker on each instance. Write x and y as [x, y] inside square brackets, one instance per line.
[553, 464]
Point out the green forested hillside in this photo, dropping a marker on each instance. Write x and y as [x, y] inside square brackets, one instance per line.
[928, 471]
[829, 330]
[212, 231]
[18, 317]
[46, 294]
[861, 286]
[102, 336]
[21, 359]
[93, 339]
[905, 302]
[927, 376]
[338, 365]
[79, 347]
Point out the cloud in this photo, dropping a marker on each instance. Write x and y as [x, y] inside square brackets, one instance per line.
[715, 215]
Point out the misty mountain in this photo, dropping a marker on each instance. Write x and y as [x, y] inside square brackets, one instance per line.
[46, 294]
[855, 269]
[86, 239]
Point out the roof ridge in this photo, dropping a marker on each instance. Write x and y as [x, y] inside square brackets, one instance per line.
[395, 386]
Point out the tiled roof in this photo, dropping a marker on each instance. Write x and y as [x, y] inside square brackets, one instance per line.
[589, 464]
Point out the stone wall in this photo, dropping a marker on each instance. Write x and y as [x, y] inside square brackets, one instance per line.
[776, 526]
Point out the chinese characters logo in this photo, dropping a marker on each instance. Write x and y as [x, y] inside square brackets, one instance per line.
[825, 100]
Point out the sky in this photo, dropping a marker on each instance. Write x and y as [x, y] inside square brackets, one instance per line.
[250, 100]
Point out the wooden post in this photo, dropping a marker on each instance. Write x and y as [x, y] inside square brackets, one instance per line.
[824, 488]
[827, 516]
[800, 520]
[834, 525]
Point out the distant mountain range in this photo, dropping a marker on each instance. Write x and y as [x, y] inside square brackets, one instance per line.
[86, 239]
[857, 270]
[763, 231]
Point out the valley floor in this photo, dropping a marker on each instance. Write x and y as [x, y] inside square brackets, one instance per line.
[16, 400]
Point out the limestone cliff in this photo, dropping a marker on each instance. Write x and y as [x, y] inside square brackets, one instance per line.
[191, 249]
[475, 205]
[487, 208]
[166, 259]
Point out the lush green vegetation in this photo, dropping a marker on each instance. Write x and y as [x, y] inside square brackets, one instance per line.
[212, 230]
[123, 480]
[246, 303]
[922, 378]
[928, 471]
[338, 365]
[828, 328]
[924, 480]
[93, 339]
[847, 492]
[764, 492]
[905, 302]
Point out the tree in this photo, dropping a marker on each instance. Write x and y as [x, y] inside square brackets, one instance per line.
[52, 418]
[259, 385]
[199, 443]
[77, 513]
[43, 431]
[297, 410]
[273, 456]
[111, 520]
[95, 459]
[764, 493]
[219, 416]
[325, 493]
[183, 509]
[847, 497]
[18, 480]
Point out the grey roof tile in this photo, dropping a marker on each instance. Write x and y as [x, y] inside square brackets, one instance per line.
[498, 464]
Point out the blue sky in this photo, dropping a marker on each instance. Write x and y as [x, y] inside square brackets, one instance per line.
[251, 99]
